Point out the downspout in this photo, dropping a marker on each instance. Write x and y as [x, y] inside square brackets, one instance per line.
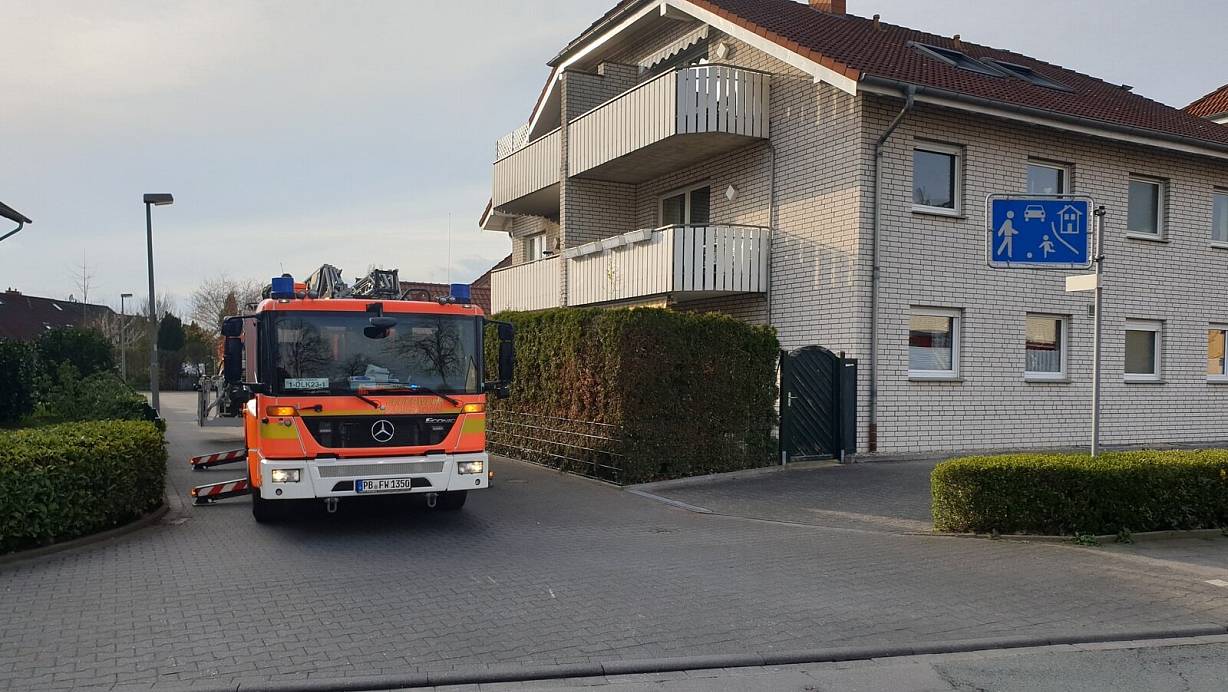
[909, 93]
[20, 225]
[771, 222]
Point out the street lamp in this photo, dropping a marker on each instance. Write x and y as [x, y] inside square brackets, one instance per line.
[123, 338]
[156, 199]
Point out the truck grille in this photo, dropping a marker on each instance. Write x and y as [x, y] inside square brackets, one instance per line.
[339, 432]
[367, 470]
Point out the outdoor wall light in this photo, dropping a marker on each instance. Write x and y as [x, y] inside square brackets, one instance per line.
[721, 51]
[731, 193]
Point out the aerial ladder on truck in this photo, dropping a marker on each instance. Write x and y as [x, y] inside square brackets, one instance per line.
[353, 391]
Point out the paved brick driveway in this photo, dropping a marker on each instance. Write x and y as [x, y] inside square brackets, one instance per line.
[541, 569]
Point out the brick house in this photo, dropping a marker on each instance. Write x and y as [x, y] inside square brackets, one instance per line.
[794, 165]
[24, 317]
[1213, 106]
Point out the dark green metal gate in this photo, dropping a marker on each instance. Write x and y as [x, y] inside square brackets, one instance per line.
[818, 404]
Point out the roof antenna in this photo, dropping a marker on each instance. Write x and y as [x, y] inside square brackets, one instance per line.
[449, 248]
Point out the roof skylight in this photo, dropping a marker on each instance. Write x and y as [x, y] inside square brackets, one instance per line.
[1026, 74]
[958, 59]
[57, 307]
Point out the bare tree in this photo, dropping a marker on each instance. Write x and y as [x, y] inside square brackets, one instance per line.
[218, 298]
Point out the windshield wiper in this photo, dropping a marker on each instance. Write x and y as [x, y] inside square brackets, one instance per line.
[322, 390]
[414, 389]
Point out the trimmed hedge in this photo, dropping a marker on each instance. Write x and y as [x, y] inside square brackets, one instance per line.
[67, 396]
[688, 393]
[18, 369]
[64, 481]
[1072, 494]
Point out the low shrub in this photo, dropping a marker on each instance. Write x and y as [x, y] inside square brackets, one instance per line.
[1073, 494]
[86, 349]
[64, 481]
[67, 396]
[18, 369]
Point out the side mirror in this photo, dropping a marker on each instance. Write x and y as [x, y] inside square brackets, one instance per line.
[232, 360]
[232, 327]
[507, 362]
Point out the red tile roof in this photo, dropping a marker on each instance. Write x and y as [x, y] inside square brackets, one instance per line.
[853, 46]
[23, 317]
[1214, 103]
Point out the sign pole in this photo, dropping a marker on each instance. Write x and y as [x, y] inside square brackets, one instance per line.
[1096, 336]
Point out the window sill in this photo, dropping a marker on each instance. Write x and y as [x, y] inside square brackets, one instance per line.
[1042, 379]
[1147, 237]
[1219, 245]
[1217, 380]
[1130, 380]
[934, 378]
[939, 211]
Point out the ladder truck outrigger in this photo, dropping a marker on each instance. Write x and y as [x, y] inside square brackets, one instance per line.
[359, 391]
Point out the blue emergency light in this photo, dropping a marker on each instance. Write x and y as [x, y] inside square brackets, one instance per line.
[283, 287]
[460, 292]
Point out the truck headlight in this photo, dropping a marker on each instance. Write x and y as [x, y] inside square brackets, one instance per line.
[285, 475]
[469, 467]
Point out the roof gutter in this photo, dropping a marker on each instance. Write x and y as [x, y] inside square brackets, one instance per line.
[13, 215]
[909, 93]
[1089, 126]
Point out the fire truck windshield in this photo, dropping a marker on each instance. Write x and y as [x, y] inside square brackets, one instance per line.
[317, 352]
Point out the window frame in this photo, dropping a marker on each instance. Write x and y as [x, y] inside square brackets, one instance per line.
[1223, 329]
[538, 239]
[1156, 327]
[1063, 374]
[1065, 168]
[957, 324]
[1161, 201]
[958, 187]
[686, 203]
[1218, 192]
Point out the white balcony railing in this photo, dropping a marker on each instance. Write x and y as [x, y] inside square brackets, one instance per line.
[674, 260]
[531, 286]
[528, 169]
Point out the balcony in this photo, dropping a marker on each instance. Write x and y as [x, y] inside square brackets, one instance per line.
[526, 176]
[531, 286]
[670, 122]
[682, 262]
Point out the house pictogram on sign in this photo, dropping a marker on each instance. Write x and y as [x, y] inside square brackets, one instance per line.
[1071, 220]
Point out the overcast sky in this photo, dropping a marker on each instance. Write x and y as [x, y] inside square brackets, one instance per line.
[298, 132]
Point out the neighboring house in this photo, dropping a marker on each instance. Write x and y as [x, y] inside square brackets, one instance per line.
[721, 155]
[1213, 106]
[24, 318]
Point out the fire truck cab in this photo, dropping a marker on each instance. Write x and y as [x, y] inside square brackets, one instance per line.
[358, 396]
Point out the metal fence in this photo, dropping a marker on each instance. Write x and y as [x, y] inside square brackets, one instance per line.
[585, 448]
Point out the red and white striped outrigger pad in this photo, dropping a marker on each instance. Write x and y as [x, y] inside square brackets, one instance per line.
[205, 494]
[205, 461]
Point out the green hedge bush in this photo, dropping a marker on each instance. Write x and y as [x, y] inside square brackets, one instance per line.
[1071, 494]
[64, 481]
[686, 393]
[67, 396]
[86, 349]
[18, 369]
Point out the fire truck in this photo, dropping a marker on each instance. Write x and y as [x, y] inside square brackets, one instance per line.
[357, 392]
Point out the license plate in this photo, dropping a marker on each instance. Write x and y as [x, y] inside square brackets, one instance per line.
[383, 485]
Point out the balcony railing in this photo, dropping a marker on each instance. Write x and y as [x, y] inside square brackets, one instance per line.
[528, 169]
[683, 261]
[709, 99]
[531, 286]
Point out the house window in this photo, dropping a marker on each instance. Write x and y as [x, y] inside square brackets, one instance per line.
[1047, 179]
[692, 205]
[535, 247]
[1219, 216]
[933, 343]
[1045, 347]
[1145, 214]
[957, 59]
[1216, 338]
[1143, 345]
[936, 179]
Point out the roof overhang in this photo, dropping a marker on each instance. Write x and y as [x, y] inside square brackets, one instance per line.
[12, 214]
[495, 221]
[1035, 116]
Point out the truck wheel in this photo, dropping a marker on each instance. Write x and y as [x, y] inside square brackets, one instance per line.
[450, 502]
[266, 511]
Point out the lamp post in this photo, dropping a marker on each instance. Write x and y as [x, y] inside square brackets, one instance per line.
[123, 338]
[156, 199]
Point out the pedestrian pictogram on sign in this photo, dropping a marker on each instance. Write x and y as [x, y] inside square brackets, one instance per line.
[1028, 231]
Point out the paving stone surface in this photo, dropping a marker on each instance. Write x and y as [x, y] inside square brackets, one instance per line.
[541, 569]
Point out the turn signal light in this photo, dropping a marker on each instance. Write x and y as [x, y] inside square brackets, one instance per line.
[281, 411]
[473, 408]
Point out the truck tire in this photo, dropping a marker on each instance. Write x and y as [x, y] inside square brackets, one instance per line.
[266, 511]
[450, 502]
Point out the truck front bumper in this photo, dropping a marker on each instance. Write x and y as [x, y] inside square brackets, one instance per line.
[318, 478]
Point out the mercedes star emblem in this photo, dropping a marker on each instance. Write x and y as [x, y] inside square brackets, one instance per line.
[382, 430]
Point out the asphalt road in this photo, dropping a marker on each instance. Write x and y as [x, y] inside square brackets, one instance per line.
[541, 569]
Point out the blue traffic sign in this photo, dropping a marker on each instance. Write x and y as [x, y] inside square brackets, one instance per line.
[1039, 232]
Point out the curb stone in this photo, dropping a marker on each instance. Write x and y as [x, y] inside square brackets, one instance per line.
[529, 673]
[731, 475]
[1104, 538]
[144, 521]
